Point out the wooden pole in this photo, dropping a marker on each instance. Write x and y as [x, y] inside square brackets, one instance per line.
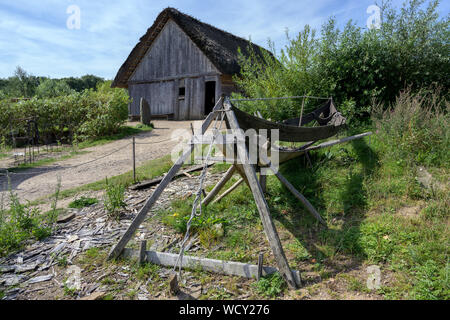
[219, 186]
[263, 182]
[260, 266]
[118, 248]
[301, 113]
[134, 159]
[292, 189]
[143, 252]
[230, 190]
[263, 208]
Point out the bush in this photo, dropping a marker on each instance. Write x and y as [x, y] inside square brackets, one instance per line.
[415, 128]
[50, 88]
[86, 115]
[22, 222]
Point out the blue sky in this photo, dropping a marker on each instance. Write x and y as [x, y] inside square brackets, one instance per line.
[34, 34]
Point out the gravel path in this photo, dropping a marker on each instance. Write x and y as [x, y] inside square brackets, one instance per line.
[39, 182]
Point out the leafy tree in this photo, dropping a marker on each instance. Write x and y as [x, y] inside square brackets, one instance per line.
[83, 83]
[50, 88]
[22, 84]
[3, 84]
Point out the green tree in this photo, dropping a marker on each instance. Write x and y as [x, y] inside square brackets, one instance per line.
[83, 83]
[50, 88]
[22, 84]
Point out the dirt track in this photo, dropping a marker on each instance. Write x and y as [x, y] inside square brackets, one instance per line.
[39, 182]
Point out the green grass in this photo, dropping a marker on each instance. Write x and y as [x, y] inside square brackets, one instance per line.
[22, 222]
[359, 191]
[270, 286]
[82, 202]
[124, 131]
[149, 170]
[46, 161]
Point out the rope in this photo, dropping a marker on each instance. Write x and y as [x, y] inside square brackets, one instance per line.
[69, 167]
[156, 142]
[198, 197]
[90, 161]
[280, 98]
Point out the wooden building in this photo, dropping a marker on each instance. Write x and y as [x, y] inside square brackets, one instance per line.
[181, 67]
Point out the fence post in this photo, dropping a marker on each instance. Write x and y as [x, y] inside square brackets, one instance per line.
[134, 159]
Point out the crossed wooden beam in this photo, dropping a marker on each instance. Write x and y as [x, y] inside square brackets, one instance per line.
[249, 175]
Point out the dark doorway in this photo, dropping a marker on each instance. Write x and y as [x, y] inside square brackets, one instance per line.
[210, 96]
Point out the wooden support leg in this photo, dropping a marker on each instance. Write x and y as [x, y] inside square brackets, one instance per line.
[260, 201]
[228, 175]
[294, 191]
[232, 188]
[118, 248]
[240, 170]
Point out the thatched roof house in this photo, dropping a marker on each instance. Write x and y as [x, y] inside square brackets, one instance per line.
[181, 66]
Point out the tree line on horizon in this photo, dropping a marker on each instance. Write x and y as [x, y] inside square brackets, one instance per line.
[25, 85]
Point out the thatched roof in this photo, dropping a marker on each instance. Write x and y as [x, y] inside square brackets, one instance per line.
[219, 46]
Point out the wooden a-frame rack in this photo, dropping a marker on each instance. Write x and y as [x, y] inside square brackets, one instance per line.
[257, 187]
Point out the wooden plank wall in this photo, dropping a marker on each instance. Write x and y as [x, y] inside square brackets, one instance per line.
[172, 57]
[172, 53]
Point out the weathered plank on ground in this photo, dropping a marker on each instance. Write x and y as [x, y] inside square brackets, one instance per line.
[246, 270]
[154, 182]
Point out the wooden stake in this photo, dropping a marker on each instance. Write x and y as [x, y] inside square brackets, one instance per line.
[173, 284]
[263, 182]
[134, 159]
[142, 252]
[260, 266]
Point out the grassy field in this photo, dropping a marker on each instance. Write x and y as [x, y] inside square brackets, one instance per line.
[125, 131]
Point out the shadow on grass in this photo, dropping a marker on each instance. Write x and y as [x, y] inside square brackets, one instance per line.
[337, 247]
